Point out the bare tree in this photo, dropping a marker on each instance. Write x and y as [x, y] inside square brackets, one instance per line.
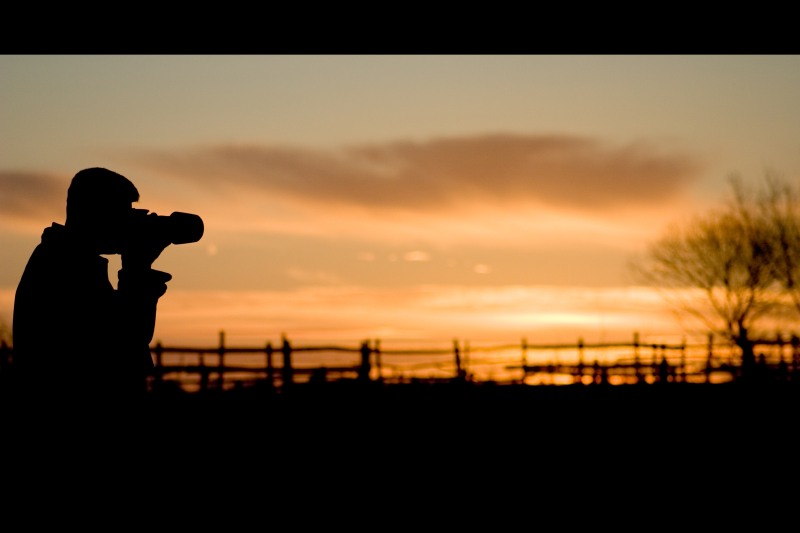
[722, 267]
[778, 207]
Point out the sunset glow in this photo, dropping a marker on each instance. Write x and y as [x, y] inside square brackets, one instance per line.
[401, 198]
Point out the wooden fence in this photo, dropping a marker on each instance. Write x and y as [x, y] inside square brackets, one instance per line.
[281, 366]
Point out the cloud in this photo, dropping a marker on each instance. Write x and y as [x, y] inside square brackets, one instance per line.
[481, 268]
[494, 189]
[312, 276]
[457, 173]
[416, 256]
[437, 313]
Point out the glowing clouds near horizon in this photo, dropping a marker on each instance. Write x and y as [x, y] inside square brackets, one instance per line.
[416, 256]
[481, 268]
[424, 313]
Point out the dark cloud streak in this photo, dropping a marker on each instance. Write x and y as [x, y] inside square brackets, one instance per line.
[562, 171]
[447, 174]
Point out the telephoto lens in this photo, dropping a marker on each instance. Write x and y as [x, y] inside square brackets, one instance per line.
[185, 228]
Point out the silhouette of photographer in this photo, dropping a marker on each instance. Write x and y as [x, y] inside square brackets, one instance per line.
[76, 337]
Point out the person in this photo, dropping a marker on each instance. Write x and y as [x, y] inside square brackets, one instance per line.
[76, 338]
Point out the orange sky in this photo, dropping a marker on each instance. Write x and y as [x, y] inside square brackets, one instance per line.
[397, 196]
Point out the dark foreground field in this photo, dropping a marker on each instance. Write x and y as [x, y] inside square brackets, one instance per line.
[474, 412]
[444, 409]
[422, 435]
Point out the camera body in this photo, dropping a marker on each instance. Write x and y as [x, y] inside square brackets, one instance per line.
[177, 228]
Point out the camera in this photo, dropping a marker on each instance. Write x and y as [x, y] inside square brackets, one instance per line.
[177, 228]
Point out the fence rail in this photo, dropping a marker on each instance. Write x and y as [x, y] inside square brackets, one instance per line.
[282, 365]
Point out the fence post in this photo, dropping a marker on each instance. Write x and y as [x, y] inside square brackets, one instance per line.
[524, 347]
[655, 365]
[465, 362]
[457, 354]
[580, 360]
[600, 373]
[524, 358]
[288, 373]
[636, 362]
[221, 361]
[783, 364]
[683, 370]
[203, 374]
[377, 350]
[664, 368]
[270, 368]
[710, 357]
[364, 367]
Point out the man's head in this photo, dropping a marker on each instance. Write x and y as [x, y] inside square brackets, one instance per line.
[99, 203]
